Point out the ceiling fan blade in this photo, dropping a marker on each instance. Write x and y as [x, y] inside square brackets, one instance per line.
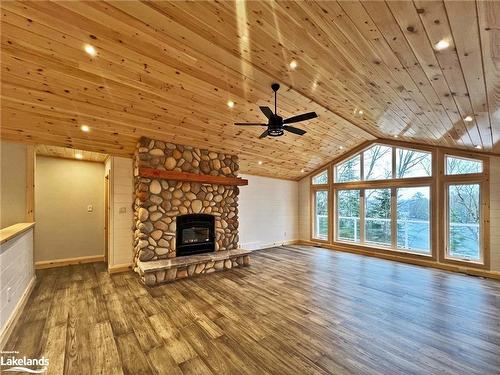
[249, 124]
[294, 130]
[267, 111]
[264, 135]
[302, 117]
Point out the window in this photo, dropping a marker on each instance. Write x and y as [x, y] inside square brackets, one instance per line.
[413, 219]
[321, 178]
[348, 206]
[321, 215]
[458, 165]
[463, 222]
[349, 170]
[412, 163]
[388, 196]
[378, 216]
[377, 163]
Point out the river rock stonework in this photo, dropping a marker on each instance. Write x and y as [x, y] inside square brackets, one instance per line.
[158, 202]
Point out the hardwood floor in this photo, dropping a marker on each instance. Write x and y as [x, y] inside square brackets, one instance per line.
[295, 310]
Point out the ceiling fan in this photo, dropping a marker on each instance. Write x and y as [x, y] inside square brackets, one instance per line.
[276, 124]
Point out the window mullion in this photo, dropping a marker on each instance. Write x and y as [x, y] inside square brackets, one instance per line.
[362, 216]
[394, 162]
[394, 218]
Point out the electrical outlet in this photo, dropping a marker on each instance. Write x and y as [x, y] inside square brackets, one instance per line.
[122, 210]
[9, 294]
[90, 208]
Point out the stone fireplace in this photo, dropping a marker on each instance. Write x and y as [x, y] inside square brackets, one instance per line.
[185, 211]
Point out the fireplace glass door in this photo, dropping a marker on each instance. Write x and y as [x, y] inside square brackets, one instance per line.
[195, 235]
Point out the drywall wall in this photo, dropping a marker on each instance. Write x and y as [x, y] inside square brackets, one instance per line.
[121, 187]
[304, 209]
[13, 184]
[64, 190]
[268, 212]
[16, 275]
[495, 213]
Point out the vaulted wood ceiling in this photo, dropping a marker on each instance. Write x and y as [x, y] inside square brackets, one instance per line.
[167, 69]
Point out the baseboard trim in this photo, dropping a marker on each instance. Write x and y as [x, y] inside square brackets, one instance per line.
[16, 314]
[68, 262]
[248, 245]
[117, 268]
[417, 262]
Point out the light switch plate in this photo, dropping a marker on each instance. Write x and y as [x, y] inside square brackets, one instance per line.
[90, 208]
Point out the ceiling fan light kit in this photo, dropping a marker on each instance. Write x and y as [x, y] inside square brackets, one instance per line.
[276, 125]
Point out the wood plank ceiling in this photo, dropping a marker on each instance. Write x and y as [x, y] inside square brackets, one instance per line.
[70, 153]
[167, 69]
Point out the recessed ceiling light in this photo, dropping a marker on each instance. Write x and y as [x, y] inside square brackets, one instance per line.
[479, 147]
[341, 147]
[442, 44]
[294, 64]
[230, 103]
[396, 136]
[84, 128]
[360, 112]
[260, 162]
[468, 118]
[90, 50]
[302, 170]
[79, 156]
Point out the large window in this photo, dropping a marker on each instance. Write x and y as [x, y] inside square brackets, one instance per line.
[464, 213]
[412, 163]
[378, 216]
[321, 215]
[413, 219]
[377, 163]
[458, 165]
[320, 178]
[348, 215]
[417, 201]
[348, 170]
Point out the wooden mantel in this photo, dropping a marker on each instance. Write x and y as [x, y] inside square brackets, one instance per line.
[184, 176]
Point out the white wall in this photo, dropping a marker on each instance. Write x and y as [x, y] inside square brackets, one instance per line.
[268, 212]
[16, 273]
[495, 213]
[305, 209]
[121, 215]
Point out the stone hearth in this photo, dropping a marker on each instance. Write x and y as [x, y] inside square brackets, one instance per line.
[160, 201]
[165, 270]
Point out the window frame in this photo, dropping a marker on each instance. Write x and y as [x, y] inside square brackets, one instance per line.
[328, 175]
[361, 170]
[313, 214]
[431, 226]
[392, 248]
[446, 233]
[336, 219]
[484, 198]
[436, 182]
[445, 169]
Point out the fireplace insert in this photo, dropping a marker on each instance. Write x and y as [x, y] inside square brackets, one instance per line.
[195, 234]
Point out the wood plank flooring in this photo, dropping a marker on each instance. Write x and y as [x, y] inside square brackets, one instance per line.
[295, 310]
